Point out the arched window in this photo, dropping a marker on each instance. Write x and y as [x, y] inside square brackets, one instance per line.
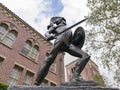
[10, 37]
[7, 35]
[3, 30]
[30, 49]
[34, 52]
[27, 47]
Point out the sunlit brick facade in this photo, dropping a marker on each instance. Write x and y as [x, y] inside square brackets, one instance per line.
[90, 71]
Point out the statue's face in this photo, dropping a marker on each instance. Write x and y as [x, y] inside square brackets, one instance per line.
[58, 22]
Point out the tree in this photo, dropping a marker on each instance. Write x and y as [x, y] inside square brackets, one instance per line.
[104, 34]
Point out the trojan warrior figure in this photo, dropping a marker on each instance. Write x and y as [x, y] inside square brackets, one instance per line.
[65, 42]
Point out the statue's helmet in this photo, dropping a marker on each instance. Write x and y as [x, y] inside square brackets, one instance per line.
[57, 20]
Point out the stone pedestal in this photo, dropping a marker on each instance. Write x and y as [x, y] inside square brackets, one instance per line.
[81, 83]
[59, 88]
[84, 85]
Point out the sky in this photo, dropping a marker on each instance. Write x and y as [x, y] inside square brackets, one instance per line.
[37, 13]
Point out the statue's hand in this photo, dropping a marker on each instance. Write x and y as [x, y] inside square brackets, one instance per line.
[51, 37]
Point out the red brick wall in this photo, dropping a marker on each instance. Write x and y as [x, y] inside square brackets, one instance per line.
[13, 55]
[89, 72]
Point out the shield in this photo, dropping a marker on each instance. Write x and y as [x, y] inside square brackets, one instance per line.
[79, 37]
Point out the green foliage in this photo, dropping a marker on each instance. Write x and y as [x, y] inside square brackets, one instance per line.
[104, 36]
[99, 80]
[3, 86]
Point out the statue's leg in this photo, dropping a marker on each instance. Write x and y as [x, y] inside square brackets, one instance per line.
[84, 58]
[46, 65]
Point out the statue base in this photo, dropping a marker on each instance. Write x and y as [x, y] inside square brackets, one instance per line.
[80, 83]
[83, 85]
[59, 88]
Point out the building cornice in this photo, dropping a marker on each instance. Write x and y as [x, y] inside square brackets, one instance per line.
[25, 25]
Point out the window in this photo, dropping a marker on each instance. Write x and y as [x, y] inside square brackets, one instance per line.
[15, 75]
[34, 52]
[1, 60]
[44, 82]
[53, 67]
[7, 35]
[10, 37]
[30, 49]
[52, 84]
[3, 29]
[27, 47]
[28, 78]
[73, 69]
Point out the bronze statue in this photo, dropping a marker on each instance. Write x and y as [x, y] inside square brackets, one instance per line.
[64, 42]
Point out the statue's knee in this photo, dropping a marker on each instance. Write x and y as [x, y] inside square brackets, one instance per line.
[84, 59]
[87, 56]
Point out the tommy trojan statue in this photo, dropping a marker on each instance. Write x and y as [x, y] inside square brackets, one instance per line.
[64, 42]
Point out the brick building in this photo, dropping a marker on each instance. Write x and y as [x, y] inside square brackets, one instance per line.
[90, 72]
[22, 51]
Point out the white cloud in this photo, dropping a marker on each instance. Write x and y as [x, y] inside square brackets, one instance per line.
[29, 11]
[23, 8]
[74, 10]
